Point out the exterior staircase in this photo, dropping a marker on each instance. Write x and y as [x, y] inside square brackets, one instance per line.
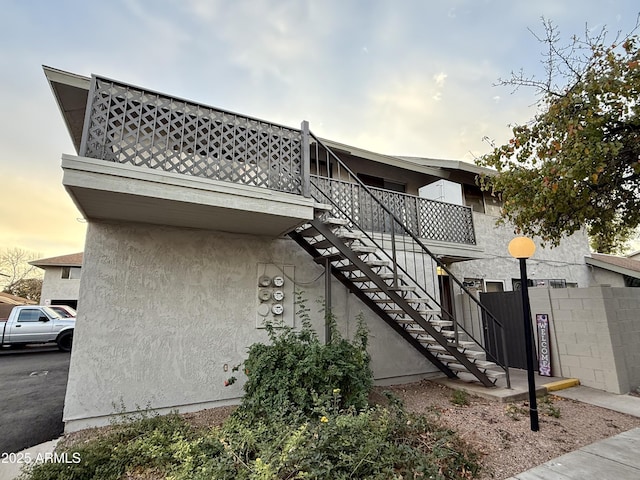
[388, 273]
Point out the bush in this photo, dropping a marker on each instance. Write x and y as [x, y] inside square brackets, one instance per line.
[146, 443]
[376, 443]
[296, 373]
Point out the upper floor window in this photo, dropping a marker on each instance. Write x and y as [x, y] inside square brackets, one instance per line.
[473, 198]
[380, 182]
[71, 273]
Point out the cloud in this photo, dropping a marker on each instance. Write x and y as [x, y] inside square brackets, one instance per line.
[262, 37]
[440, 78]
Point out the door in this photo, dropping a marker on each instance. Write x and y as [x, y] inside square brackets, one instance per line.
[30, 327]
[446, 298]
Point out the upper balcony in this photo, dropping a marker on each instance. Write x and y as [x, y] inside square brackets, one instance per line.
[148, 157]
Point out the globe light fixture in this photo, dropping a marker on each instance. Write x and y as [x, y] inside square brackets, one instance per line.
[523, 248]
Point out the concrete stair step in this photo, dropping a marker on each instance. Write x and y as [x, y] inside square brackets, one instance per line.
[488, 372]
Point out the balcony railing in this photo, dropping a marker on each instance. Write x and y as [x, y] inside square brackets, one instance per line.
[130, 125]
[428, 219]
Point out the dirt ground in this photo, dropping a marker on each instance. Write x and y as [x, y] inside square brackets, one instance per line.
[501, 432]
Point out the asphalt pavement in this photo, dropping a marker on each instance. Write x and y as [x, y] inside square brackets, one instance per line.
[33, 382]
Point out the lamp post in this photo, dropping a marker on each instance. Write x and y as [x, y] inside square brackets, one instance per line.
[523, 248]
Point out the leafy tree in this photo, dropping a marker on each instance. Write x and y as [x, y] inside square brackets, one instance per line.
[577, 163]
[29, 288]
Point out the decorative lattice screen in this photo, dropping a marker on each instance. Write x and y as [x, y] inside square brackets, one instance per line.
[425, 218]
[132, 126]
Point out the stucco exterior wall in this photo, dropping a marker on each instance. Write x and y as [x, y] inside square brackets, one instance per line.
[563, 262]
[600, 276]
[164, 310]
[54, 287]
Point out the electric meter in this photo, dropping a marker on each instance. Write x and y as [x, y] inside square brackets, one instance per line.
[264, 295]
[278, 295]
[278, 281]
[263, 309]
[264, 281]
[277, 309]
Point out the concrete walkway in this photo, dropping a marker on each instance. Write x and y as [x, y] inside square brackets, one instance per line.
[615, 458]
[11, 469]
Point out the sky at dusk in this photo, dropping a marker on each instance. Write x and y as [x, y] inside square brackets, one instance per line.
[401, 77]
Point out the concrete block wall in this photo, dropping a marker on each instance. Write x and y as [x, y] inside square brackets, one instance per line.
[623, 308]
[595, 334]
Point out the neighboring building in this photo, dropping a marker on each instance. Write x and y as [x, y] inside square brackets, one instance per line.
[634, 255]
[614, 271]
[202, 225]
[8, 301]
[61, 283]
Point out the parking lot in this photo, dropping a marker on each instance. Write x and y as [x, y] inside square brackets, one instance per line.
[34, 381]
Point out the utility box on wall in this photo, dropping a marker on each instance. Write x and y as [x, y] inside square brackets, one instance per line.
[275, 291]
[442, 191]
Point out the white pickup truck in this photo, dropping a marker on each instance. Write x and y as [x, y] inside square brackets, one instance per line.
[36, 324]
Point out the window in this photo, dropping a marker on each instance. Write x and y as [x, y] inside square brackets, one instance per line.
[494, 286]
[71, 273]
[380, 182]
[541, 283]
[31, 315]
[631, 281]
[473, 197]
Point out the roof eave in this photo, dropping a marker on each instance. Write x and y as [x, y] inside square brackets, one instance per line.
[611, 267]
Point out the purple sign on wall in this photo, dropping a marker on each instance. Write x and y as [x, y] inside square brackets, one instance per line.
[544, 349]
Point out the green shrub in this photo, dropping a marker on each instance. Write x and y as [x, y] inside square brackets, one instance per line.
[148, 443]
[377, 443]
[295, 373]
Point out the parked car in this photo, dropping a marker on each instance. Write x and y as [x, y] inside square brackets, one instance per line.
[64, 310]
[29, 324]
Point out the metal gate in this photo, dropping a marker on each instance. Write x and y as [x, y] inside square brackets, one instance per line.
[507, 308]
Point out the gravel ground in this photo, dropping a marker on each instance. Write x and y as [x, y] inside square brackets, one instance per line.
[500, 432]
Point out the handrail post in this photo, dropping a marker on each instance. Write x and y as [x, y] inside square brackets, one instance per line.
[306, 160]
[393, 250]
[505, 357]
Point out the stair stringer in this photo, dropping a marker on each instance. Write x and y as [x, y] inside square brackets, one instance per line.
[347, 253]
[376, 308]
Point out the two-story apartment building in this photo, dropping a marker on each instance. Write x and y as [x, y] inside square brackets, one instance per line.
[61, 282]
[205, 224]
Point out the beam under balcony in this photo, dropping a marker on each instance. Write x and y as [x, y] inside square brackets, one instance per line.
[119, 192]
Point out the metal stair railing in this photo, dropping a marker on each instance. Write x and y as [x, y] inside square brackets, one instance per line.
[332, 182]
